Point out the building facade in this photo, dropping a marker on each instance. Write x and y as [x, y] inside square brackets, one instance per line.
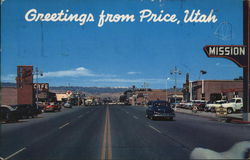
[143, 96]
[210, 89]
[24, 82]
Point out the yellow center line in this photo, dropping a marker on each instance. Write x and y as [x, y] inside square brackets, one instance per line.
[106, 135]
[109, 138]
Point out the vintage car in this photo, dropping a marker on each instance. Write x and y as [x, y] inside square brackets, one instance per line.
[160, 109]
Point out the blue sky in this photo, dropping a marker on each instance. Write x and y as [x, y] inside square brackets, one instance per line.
[119, 54]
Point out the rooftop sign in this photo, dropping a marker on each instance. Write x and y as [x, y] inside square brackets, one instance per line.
[235, 53]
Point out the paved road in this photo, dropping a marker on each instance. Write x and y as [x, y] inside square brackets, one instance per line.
[114, 132]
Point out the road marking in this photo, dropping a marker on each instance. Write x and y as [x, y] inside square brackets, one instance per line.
[80, 116]
[135, 117]
[109, 139]
[12, 155]
[106, 145]
[154, 129]
[64, 125]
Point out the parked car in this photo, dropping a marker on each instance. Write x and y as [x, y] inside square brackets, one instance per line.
[181, 105]
[150, 103]
[160, 109]
[235, 104]
[67, 105]
[200, 104]
[208, 106]
[52, 107]
[213, 105]
[26, 110]
[188, 105]
[8, 114]
[173, 105]
[41, 106]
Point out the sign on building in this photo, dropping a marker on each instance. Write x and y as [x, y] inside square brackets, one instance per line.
[24, 82]
[235, 53]
[42, 87]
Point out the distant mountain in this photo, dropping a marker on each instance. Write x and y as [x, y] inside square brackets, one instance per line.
[92, 90]
[8, 84]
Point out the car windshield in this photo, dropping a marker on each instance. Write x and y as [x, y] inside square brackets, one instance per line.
[160, 103]
[163, 108]
[219, 102]
[232, 101]
[210, 102]
[14, 106]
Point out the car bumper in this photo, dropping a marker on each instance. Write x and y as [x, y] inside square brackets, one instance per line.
[164, 115]
[67, 106]
[49, 109]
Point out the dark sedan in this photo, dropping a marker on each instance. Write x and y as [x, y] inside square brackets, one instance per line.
[160, 109]
[8, 114]
[26, 110]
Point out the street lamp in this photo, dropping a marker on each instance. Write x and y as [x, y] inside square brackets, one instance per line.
[202, 72]
[176, 72]
[167, 88]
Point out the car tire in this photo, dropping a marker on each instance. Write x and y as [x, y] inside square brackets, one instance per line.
[152, 118]
[229, 110]
[241, 109]
[7, 117]
[212, 109]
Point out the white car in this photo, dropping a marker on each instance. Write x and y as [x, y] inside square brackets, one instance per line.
[67, 105]
[235, 104]
[212, 106]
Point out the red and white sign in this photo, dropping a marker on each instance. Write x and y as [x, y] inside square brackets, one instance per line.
[69, 93]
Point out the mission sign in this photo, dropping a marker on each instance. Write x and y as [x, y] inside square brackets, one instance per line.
[236, 53]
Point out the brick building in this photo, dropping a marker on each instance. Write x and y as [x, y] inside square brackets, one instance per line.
[8, 95]
[25, 90]
[143, 96]
[24, 82]
[204, 89]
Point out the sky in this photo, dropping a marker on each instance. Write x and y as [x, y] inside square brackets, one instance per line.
[119, 54]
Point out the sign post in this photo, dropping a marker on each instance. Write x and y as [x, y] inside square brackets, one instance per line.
[240, 55]
[246, 70]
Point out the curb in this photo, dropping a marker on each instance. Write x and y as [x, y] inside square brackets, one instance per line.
[229, 119]
[194, 114]
[239, 121]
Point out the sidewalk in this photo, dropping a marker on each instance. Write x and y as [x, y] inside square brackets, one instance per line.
[232, 118]
[198, 113]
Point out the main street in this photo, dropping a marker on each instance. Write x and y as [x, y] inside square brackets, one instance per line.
[114, 132]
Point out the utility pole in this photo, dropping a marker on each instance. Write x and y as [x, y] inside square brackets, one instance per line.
[37, 73]
[191, 90]
[78, 98]
[175, 72]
